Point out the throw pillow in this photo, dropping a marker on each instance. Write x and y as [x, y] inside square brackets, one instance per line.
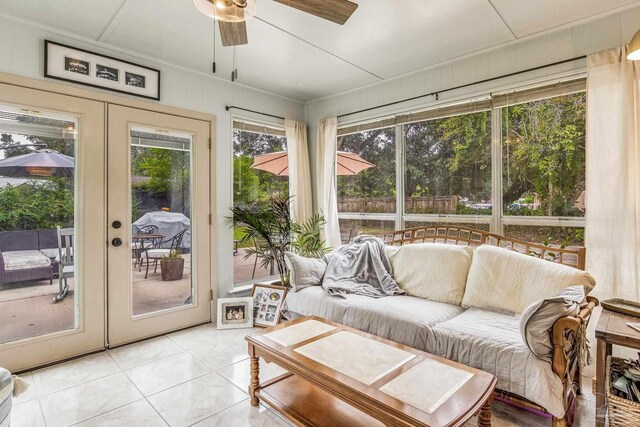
[536, 322]
[304, 271]
[500, 279]
[434, 271]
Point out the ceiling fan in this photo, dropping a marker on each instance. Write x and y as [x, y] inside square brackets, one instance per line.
[232, 14]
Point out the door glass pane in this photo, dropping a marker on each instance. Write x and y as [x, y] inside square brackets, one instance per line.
[38, 291]
[448, 165]
[543, 153]
[161, 219]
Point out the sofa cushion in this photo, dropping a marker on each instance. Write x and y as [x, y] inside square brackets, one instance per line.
[537, 320]
[500, 279]
[400, 318]
[435, 271]
[20, 260]
[304, 271]
[314, 301]
[404, 319]
[491, 342]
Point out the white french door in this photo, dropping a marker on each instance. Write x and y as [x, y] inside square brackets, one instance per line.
[159, 276]
[62, 184]
[129, 190]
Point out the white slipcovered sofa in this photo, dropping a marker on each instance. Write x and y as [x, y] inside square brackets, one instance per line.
[464, 304]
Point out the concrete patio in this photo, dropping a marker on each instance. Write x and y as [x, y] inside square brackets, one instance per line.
[27, 309]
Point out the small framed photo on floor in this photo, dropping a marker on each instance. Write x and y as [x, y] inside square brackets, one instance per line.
[235, 313]
[267, 304]
[88, 68]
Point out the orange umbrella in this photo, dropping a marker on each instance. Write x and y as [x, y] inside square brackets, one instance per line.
[276, 163]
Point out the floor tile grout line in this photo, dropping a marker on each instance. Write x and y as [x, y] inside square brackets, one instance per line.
[184, 382]
[157, 411]
[42, 413]
[40, 396]
[110, 410]
[219, 412]
[154, 361]
[102, 413]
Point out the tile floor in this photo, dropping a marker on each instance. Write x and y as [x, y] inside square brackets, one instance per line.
[196, 377]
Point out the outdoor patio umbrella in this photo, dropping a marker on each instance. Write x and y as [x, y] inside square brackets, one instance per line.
[276, 163]
[39, 163]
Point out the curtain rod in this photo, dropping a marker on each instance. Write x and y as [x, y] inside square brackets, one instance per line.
[229, 107]
[437, 93]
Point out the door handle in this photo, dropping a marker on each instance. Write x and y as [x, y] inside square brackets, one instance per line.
[116, 242]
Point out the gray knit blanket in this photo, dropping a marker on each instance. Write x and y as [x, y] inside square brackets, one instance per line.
[361, 268]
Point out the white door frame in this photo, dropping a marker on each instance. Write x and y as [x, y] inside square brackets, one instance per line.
[123, 326]
[90, 250]
[48, 349]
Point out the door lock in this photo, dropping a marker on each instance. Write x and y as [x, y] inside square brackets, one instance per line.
[116, 242]
[116, 224]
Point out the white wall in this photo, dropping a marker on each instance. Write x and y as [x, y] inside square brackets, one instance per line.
[22, 53]
[567, 43]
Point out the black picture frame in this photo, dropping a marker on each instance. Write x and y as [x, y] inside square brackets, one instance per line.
[122, 72]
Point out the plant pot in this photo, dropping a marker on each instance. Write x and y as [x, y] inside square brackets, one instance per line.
[172, 269]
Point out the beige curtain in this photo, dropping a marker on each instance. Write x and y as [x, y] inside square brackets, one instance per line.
[327, 147]
[613, 177]
[299, 171]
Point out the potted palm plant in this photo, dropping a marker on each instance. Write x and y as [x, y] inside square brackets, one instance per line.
[172, 265]
[272, 231]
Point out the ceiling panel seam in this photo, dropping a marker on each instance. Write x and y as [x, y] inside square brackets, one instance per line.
[495, 9]
[319, 48]
[111, 26]
[112, 49]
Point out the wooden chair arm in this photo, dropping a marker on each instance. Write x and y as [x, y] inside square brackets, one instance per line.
[559, 337]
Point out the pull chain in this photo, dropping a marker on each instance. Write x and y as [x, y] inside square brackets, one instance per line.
[234, 72]
[214, 43]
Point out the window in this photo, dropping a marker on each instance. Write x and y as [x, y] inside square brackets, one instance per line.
[448, 165]
[544, 157]
[526, 180]
[252, 142]
[369, 193]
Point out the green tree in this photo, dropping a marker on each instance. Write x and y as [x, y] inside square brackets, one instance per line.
[544, 152]
[6, 140]
[252, 185]
[378, 147]
[38, 204]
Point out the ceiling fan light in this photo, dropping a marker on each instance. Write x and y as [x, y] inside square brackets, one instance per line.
[227, 10]
[634, 48]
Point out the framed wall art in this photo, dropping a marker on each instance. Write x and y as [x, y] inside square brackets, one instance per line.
[81, 66]
[235, 313]
[267, 304]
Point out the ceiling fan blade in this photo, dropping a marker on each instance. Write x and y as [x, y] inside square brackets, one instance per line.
[233, 33]
[337, 11]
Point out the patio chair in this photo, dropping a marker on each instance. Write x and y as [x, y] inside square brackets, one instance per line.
[139, 246]
[346, 234]
[255, 261]
[157, 252]
[66, 266]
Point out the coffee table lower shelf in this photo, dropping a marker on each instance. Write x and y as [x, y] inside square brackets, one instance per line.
[307, 405]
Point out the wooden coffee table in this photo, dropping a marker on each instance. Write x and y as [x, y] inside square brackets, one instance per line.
[339, 376]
